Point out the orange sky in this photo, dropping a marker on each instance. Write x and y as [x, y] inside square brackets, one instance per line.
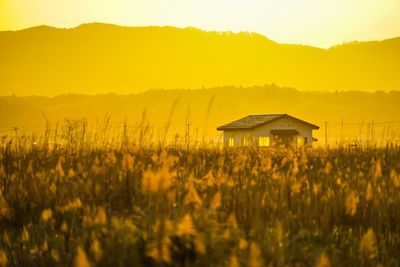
[316, 22]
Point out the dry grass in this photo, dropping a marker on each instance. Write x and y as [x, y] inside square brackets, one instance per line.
[179, 205]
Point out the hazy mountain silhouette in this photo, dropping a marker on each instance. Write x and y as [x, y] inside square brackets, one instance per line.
[349, 113]
[101, 58]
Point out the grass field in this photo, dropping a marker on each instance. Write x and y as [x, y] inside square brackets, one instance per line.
[207, 206]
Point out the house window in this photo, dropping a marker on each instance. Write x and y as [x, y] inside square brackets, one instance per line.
[263, 141]
[245, 141]
[301, 141]
[231, 141]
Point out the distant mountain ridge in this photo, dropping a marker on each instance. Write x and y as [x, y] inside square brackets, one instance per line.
[101, 58]
[349, 113]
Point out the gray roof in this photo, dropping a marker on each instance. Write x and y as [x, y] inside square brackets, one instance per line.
[254, 121]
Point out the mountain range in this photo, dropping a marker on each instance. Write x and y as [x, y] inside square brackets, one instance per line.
[101, 58]
[348, 113]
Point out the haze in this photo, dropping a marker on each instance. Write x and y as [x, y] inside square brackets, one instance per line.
[313, 22]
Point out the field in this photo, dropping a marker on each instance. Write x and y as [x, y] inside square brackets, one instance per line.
[206, 205]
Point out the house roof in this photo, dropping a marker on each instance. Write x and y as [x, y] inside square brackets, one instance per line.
[254, 121]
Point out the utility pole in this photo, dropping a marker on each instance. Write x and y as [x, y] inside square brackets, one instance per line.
[16, 136]
[372, 132]
[341, 133]
[124, 141]
[326, 133]
[16, 132]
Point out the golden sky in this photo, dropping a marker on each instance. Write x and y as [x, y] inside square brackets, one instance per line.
[315, 22]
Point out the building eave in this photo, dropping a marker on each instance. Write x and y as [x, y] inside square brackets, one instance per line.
[227, 128]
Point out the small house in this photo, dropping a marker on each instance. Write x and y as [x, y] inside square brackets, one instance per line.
[267, 129]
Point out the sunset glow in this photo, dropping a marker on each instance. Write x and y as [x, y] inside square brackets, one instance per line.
[199, 133]
[312, 22]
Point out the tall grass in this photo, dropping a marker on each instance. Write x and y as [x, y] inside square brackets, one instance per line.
[100, 199]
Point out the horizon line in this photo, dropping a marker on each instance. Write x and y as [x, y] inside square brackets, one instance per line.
[193, 27]
[238, 87]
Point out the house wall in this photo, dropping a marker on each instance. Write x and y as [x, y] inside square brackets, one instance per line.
[237, 137]
[265, 131]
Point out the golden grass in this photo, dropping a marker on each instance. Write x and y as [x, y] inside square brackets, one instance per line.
[181, 206]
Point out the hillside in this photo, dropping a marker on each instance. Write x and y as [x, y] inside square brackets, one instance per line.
[206, 109]
[102, 58]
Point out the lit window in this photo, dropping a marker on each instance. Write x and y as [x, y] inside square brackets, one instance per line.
[245, 141]
[263, 141]
[301, 141]
[231, 141]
